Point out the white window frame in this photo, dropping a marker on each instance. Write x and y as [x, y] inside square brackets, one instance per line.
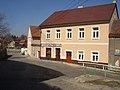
[59, 34]
[95, 32]
[69, 33]
[95, 56]
[47, 34]
[81, 33]
[79, 53]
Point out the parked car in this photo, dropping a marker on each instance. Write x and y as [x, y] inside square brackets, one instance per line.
[24, 51]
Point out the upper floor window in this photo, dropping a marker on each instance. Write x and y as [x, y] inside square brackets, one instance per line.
[57, 34]
[48, 34]
[95, 56]
[69, 33]
[95, 33]
[81, 55]
[81, 33]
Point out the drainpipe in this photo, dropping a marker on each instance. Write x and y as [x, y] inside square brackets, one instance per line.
[114, 50]
[40, 44]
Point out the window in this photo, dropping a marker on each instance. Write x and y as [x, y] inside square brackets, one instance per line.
[69, 33]
[117, 51]
[95, 32]
[95, 56]
[48, 34]
[57, 34]
[81, 33]
[80, 55]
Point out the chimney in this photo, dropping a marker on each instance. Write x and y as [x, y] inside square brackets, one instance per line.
[80, 6]
[114, 1]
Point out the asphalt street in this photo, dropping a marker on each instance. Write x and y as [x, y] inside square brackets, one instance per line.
[20, 72]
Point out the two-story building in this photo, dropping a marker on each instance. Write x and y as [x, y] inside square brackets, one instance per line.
[80, 34]
[33, 44]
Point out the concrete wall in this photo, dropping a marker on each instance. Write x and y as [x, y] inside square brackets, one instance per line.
[35, 50]
[113, 42]
[114, 57]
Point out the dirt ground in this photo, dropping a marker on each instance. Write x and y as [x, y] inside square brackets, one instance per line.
[82, 83]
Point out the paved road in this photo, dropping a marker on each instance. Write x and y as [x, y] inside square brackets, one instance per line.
[23, 73]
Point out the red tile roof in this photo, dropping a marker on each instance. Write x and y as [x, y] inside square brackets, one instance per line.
[80, 15]
[23, 41]
[115, 30]
[35, 31]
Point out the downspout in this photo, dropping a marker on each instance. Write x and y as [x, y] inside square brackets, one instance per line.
[40, 44]
[114, 50]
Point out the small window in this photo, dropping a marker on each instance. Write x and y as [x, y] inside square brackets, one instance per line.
[81, 55]
[69, 33]
[48, 34]
[57, 34]
[95, 32]
[117, 51]
[95, 56]
[81, 33]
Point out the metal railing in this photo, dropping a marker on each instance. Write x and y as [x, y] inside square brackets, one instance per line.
[101, 69]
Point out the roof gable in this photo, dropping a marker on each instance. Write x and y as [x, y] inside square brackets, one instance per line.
[81, 15]
[35, 31]
[115, 30]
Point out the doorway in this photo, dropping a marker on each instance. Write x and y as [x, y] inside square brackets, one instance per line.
[48, 53]
[57, 54]
[68, 56]
[38, 54]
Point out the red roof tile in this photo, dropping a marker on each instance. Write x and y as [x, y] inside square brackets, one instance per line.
[80, 15]
[35, 31]
[115, 30]
[23, 41]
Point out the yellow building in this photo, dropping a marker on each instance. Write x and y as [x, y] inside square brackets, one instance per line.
[80, 34]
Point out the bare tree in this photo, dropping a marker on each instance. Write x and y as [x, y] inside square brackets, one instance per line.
[4, 30]
[23, 37]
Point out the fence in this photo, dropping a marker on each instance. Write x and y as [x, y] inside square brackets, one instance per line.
[101, 70]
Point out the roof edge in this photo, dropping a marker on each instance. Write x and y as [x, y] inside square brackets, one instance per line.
[73, 24]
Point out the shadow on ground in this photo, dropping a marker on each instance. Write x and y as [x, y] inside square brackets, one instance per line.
[16, 75]
[5, 58]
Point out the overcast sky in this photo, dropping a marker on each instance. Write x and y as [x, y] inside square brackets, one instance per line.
[20, 14]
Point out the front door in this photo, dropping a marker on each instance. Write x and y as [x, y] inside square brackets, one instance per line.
[38, 54]
[57, 54]
[68, 56]
[48, 53]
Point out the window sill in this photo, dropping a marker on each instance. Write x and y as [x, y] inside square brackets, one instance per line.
[81, 38]
[68, 38]
[47, 39]
[57, 39]
[95, 61]
[95, 38]
[80, 60]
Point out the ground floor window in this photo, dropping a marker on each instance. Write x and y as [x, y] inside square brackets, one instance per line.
[81, 55]
[95, 56]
